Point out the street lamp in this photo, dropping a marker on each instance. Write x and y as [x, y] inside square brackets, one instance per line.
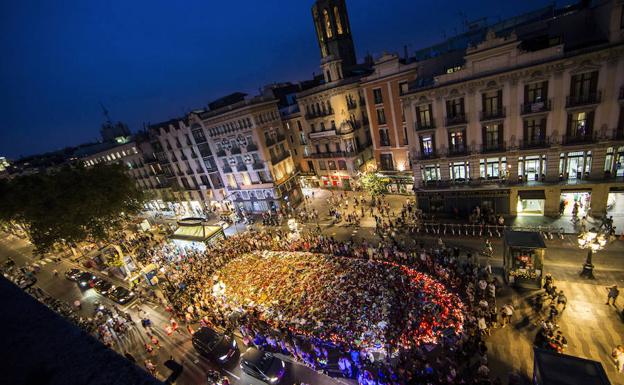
[593, 242]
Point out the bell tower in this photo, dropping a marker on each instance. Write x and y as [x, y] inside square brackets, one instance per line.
[333, 33]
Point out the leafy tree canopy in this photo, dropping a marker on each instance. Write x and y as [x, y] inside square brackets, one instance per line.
[372, 183]
[70, 205]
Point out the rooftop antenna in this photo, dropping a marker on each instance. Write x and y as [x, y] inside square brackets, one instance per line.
[105, 112]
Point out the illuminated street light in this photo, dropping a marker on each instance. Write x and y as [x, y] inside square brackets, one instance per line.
[593, 242]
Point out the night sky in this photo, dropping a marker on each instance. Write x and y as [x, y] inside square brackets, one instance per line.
[150, 61]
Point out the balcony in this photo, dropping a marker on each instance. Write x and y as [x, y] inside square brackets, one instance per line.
[493, 147]
[336, 154]
[492, 114]
[235, 150]
[258, 166]
[535, 107]
[534, 143]
[457, 151]
[320, 114]
[227, 169]
[569, 140]
[426, 155]
[241, 167]
[425, 125]
[252, 147]
[221, 153]
[455, 120]
[321, 134]
[280, 157]
[583, 99]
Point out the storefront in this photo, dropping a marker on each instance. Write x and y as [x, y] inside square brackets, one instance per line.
[193, 233]
[463, 202]
[523, 258]
[531, 202]
[615, 202]
[571, 198]
[336, 181]
[399, 184]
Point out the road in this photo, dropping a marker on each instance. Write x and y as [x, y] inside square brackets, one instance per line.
[178, 345]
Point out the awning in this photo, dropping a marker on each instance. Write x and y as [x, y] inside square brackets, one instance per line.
[531, 194]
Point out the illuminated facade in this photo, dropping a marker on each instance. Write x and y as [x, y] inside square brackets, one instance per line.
[525, 123]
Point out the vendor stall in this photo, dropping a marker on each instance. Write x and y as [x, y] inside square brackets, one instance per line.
[194, 233]
[523, 258]
[557, 369]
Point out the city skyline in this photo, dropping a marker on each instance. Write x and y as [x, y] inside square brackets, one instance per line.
[53, 91]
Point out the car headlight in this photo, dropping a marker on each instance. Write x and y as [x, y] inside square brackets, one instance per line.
[234, 343]
[223, 357]
[283, 364]
[273, 379]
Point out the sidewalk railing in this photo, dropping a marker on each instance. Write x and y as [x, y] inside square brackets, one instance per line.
[488, 231]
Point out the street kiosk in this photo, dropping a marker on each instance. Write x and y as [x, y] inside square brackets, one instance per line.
[523, 258]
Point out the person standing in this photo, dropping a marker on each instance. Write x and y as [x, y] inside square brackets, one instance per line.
[618, 357]
[613, 294]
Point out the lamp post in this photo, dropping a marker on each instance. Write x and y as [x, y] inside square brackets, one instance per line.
[593, 242]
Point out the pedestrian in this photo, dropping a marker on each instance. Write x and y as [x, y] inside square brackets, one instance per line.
[562, 300]
[506, 313]
[155, 341]
[618, 357]
[149, 349]
[613, 294]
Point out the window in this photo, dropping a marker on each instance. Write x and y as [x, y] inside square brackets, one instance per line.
[322, 165]
[386, 162]
[331, 164]
[430, 172]
[427, 147]
[580, 124]
[534, 130]
[405, 140]
[492, 103]
[310, 166]
[377, 97]
[583, 86]
[492, 136]
[204, 180]
[328, 27]
[455, 108]
[338, 22]
[424, 116]
[342, 165]
[403, 88]
[459, 171]
[381, 116]
[384, 138]
[535, 92]
[493, 168]
[457, 140]
[450, 70]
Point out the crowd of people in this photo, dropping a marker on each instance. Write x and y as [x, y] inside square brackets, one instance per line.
[189, 275]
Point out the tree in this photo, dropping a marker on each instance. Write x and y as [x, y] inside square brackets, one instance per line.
[372, 183]
[71, 205]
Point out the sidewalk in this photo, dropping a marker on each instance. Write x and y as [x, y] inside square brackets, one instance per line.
[396, 202]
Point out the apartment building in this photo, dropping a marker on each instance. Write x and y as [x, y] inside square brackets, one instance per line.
[528, 122]
[247, 137]
[382, 91]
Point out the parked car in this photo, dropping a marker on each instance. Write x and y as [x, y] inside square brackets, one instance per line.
[218, 347]
[72, 274]
[263, 366]
[83, 279]
[102, 286]
[120, 295]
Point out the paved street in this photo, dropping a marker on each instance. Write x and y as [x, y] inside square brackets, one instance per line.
[592, 328]
[178, 345]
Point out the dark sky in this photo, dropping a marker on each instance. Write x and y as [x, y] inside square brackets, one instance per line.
[150, 61]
